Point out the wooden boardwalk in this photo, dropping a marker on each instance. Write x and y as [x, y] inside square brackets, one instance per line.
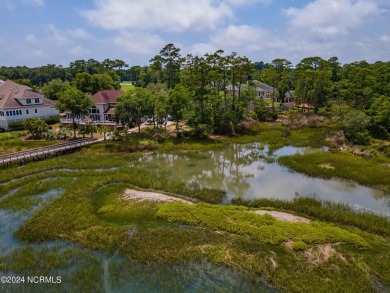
[45, 151]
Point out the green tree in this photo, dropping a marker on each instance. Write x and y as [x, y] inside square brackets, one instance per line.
[100, 82]
[356, 127]
[196, 78]
[178, 102]
[283, 77]
[104, 129]
[82, 82]
[314, 82]
[74, 101]
[359, 81]
[380, 113]
[159, 111]
[134, 104]
[53, 89]
[36, 127]
[168, 62]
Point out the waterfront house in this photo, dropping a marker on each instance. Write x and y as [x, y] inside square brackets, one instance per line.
[102, 112]
[19, 102]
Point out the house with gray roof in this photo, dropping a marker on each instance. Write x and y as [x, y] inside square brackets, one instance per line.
[265, 91]
[19, 102]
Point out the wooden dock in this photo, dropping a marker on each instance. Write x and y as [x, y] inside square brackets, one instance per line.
[45, 151]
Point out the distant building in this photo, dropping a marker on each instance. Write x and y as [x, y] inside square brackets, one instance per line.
[102, 112]
[19, 102]
[264, 91]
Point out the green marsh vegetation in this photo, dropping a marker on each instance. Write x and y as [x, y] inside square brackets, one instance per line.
[367, 171]
[350, 249]
[11, 145]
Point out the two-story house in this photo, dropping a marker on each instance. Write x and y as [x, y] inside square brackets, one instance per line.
[103, 110]
[264, 91]
[19, 102]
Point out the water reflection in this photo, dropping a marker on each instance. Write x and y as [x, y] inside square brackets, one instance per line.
[87, 270]
[251, 171]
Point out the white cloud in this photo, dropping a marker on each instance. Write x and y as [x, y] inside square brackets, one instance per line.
[78, 51]
[201, 49]
[246, 2]
[39, 53]
[14, 4]
[243, 39]
[333, 18]
[31, 38]
[143, 43]
[385, 38]
[36, 2]
[56, 35]
[165, 15]
[50, 45]
[79, 33]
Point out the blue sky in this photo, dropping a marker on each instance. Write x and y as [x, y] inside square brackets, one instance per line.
[40, 32]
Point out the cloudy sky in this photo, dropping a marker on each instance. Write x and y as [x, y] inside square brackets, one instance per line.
[40, 32]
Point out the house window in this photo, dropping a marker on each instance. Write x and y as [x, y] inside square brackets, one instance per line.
[94, 110]
[27, 111]
[20, 112]
[36, 110]
[7, 113]
[28, 101]
[36, 101]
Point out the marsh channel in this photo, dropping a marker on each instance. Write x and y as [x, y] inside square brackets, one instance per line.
[251, 171]
[245, 171]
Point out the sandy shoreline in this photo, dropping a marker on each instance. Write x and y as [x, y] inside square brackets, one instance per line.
[284, 216]
[151, 196]
[137, 195]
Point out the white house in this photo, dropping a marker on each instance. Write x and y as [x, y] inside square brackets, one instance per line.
[102, 112]
[19, 102]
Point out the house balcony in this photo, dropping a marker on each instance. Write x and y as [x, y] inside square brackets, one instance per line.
[87, 121]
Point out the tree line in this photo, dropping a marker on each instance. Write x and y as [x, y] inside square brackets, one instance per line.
[212, 92]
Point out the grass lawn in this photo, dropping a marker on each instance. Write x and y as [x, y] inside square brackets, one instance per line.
[126, 85]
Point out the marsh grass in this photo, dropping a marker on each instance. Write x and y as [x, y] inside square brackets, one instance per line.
[12, 135]
[29, 195]
[16, 145]
[328, 211]
[92, 212]
[265, 228]
[343, 165]
[80, 269]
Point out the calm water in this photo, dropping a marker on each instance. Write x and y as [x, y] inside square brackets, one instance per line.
[87, 270]
[244, 171]
[249, 171]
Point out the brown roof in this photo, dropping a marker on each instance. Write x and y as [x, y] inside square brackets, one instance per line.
[110, 111]
[11, 93]
[107, 96]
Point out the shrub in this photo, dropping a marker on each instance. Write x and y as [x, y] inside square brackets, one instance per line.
[16, 125]
[52, 120]
[201, 131]
[300, 246]
[362, 138]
